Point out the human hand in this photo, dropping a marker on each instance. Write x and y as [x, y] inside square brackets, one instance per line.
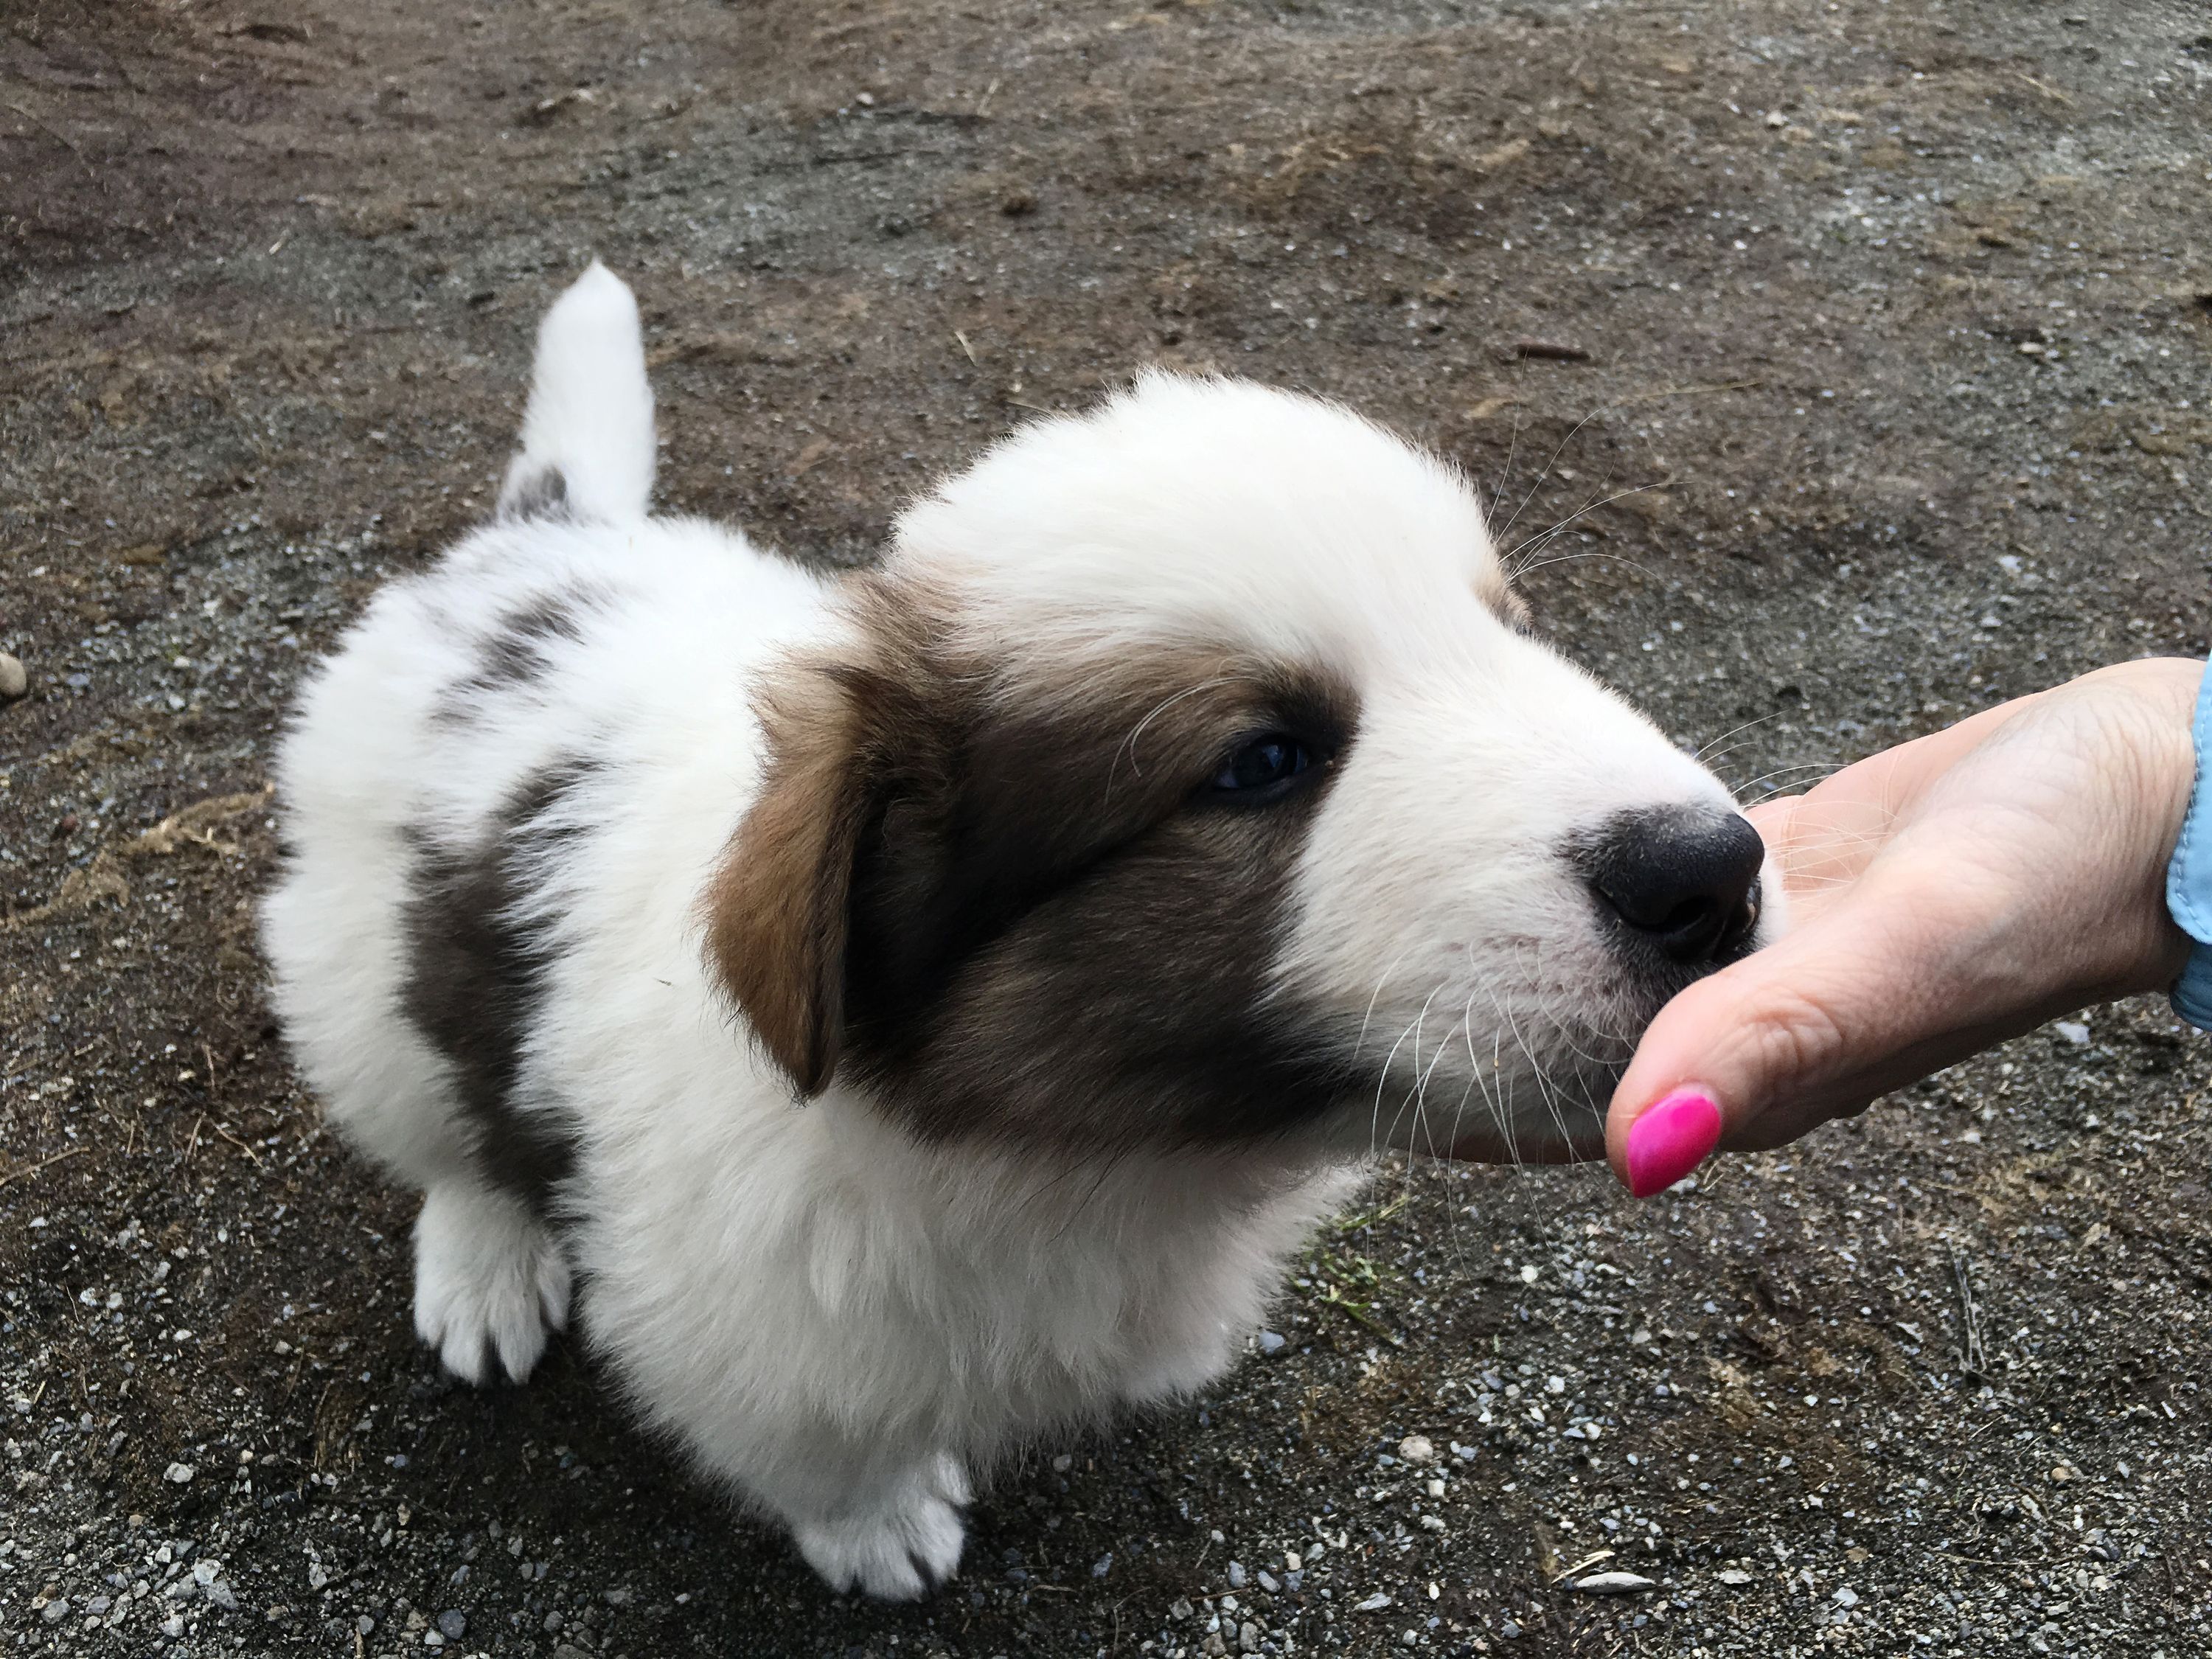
[1944, 895]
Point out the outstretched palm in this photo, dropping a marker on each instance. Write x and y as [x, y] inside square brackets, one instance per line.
[1944, 895]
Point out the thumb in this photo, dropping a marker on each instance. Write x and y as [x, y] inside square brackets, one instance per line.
[1813, 1027]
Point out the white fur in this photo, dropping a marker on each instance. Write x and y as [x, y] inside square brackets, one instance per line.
[591, 408]
[1435, 915]
[841, 1323]
[490, 1281]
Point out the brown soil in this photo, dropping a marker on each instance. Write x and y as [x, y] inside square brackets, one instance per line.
[1897, 320]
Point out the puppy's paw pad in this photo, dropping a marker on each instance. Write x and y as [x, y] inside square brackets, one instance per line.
[898, 1554]
[490, 1283]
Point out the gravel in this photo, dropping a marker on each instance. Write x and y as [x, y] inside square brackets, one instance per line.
[273, 277]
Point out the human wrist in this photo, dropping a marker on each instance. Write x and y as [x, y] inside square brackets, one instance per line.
[2188, 886]
[2168, 688]
[2139, 717]
[2163, 694]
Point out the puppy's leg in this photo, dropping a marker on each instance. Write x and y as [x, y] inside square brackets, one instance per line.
[899, 1539]
[489, 1278]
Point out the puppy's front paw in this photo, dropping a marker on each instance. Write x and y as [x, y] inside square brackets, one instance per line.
[489, 1280]
[900, 1552]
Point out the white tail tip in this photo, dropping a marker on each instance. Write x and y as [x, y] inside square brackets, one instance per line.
[587, 443]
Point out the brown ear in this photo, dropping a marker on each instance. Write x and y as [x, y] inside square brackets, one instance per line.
[777, 911]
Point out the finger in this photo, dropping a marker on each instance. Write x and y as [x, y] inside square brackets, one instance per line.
[1779, 1031]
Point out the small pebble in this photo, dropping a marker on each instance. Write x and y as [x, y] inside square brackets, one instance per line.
[1416, 1449]
[454, 1623]
[1613, 1583]
[1374, 1603]
[1102, 1565]
[56, 1610]
[1846, 1597]
[1237, 1575]
[179, 1473]
[14, 682]
[1272, 1343]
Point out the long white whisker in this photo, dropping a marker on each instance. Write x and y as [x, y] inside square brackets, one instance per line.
[1542, 536]
[1568, 558]
[1373, 999]
[1512, 448]
[1382, 1082]
[1556, 451]
[1420, 1084]
[1706, 748]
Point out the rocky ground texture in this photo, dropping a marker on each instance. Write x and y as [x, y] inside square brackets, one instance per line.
[1837, 368]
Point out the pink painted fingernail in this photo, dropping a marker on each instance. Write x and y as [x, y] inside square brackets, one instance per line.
[1670, 1139]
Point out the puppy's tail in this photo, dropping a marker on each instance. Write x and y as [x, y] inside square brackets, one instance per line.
[588, 444]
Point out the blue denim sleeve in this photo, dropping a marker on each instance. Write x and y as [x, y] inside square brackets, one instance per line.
[2189, 878]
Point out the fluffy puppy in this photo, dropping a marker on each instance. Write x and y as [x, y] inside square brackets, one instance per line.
[913, 1011]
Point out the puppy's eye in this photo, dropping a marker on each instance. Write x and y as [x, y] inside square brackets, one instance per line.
[1264, 767]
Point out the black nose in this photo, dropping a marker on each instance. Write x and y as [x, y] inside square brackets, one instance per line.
[1684, 877]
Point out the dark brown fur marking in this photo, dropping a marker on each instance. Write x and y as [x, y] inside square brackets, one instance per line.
[543, 495]
[475, 981]
[516, 650]
[1011, 907]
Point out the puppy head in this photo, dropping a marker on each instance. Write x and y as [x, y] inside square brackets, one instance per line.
[1185, 775]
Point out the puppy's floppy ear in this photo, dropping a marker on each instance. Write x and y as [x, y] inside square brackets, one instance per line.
[778, 910]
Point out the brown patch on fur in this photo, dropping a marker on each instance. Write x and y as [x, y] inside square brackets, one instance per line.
[517, 650]
[1003, 893]
[1495, 590]
[776, 911]
[476, 975]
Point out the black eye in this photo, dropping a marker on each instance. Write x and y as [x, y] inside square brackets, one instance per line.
[1264, 767]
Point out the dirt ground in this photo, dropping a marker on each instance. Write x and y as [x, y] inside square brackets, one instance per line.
[1896, 320]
